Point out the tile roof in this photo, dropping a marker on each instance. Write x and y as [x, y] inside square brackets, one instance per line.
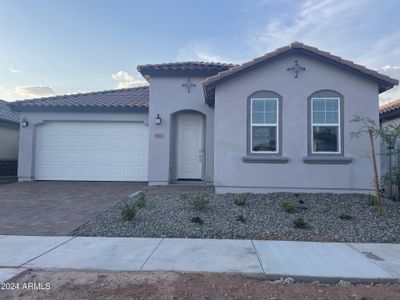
[113, 100]
[385, 82]
[6, 114]
[184, 68]
[390, 110]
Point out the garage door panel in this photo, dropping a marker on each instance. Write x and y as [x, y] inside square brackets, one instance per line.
[92, 151]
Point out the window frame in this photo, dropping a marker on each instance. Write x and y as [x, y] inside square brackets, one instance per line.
[264, 95]
[338, 125]
[326, 94]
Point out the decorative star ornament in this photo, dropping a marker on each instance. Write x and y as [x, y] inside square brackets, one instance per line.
[297, 68]
[189, 85]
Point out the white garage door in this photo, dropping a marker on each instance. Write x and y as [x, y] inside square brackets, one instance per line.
[91, 151]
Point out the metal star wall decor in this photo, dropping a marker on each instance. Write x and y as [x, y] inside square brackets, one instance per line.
[189, 85]
[297, 68]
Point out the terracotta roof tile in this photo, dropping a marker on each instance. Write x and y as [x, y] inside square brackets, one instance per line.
[389, 107]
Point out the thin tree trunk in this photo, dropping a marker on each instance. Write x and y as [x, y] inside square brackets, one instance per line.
[375, 171]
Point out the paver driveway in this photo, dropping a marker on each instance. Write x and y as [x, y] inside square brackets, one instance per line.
[57, 207]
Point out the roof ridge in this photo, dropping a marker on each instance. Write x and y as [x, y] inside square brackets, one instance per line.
[385, 82]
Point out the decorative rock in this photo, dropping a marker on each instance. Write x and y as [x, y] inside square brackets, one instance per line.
[288, 280]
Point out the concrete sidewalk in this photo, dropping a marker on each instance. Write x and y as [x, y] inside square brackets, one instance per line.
[328, 262]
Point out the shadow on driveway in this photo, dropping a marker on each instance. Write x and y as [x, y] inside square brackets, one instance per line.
[57, 207]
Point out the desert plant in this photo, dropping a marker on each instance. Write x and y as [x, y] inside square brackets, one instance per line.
[240, 200]
[300, 223]
[197, 220]
[200, 201]
[128, 212]
[289, 207]
[371, 200]
[141, 201]
[389, 134]
[345, 217]
[241, 217]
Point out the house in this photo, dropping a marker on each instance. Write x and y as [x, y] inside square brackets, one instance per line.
[278, 122]
[9, 136]
[389, 113]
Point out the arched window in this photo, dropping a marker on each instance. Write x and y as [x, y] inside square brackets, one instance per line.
[264, 123]
[325, 111]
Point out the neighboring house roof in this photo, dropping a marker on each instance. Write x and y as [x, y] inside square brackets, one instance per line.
[389, 110]
[188, 68]
[385, 82]
[6, 114]
[130, 99]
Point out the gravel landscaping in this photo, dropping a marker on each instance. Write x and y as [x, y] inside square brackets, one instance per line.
[170, 212]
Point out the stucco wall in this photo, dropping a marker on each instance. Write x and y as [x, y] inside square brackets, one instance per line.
[26, 168]
[8, 141]
[167, 96]
[231, 174]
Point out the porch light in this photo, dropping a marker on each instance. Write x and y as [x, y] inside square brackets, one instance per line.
[24, 123]
[158, 119]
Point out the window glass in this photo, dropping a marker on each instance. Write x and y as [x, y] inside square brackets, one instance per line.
[264, 125]
[325, 125]
[264, 138]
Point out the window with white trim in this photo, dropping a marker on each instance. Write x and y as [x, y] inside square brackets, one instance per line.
[325, 125]
[264, 125]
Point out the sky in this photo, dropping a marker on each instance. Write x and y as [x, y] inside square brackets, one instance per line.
[55, 47]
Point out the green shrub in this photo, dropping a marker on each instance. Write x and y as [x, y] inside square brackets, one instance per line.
[240, 200]
[289, 207]
[345, 217]
[197, 220]
[241, 218]
[128, 212]
[141, 201]
[371, 200]
[300, 223]
[199, 202]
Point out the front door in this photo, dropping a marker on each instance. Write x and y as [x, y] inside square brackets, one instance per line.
[190, 147]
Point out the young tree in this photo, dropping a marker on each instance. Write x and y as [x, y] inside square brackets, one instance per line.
[389, 134]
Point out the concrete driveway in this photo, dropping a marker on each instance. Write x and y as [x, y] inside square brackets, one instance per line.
[57, 207]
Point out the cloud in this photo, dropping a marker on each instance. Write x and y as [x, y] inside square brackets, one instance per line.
[200, 51]
[13, 70]
[126, 80]
[389, 68]
[320, 23]
[35, 91]
[26, 92]
[122, 76]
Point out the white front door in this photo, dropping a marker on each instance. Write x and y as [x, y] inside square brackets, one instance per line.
[190, 146]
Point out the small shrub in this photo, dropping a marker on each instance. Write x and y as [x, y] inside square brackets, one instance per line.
[371, 200]
[197, 220]
[128, 212]
[300, 223]
[185, 196]
[141, 201]
[240, 218]
[240, 200]
[345, 217]
[199, 202]
[289, 207]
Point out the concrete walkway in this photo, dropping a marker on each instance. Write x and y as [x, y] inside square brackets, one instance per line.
[328, 262]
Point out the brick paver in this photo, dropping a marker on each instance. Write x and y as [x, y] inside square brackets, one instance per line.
[57, 207]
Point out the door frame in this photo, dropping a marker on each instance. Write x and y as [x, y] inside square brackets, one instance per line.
[174, 146]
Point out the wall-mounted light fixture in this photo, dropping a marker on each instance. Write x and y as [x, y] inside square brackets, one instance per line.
[24, 123]
[158, 119]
